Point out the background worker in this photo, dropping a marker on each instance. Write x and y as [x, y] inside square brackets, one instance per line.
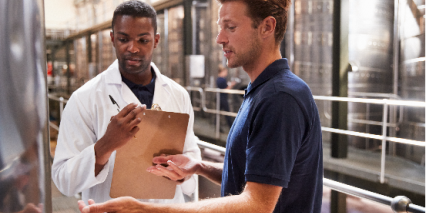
[222, 83]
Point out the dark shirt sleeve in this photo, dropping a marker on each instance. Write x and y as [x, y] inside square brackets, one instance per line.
[221, 83]
[274, 139]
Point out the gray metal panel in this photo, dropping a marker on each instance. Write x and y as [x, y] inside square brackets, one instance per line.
[370, 54]
[312, 37]
[23, 114]
[412, 75]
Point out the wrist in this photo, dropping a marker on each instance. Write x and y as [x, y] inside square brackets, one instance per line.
[102, 154]
[200, 168]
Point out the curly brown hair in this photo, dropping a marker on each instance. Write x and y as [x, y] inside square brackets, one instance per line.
[260, 9]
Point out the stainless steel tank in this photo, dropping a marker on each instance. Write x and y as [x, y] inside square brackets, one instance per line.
[24, 163]
[412, 75]
[370, 54]
[312, 32]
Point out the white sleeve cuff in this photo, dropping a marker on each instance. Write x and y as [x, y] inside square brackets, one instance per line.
[189, 186]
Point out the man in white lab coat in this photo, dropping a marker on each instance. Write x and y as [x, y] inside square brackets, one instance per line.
[91, 127]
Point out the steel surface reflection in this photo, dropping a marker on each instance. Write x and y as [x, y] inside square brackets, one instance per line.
[23, 109]
[412, 75]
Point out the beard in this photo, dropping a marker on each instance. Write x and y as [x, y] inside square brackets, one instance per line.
[130, 69]
[247, 57]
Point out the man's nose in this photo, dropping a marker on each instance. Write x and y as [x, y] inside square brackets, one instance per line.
[221, 38]
[133, 47]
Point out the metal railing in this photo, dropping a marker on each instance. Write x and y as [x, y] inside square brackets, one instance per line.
[398, 204]
[383, 137]
[386, 103]
[216, 111]
[61, 101]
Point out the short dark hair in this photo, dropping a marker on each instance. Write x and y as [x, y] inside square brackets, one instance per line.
[260, 9]
[136, 8]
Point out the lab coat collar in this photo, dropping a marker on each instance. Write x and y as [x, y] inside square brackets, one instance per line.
[162, 91]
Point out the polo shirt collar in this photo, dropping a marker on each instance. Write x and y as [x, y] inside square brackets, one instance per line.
[150, 87]
[269, 72]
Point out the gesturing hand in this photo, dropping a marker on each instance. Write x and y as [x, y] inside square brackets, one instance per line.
[180, 167]
[117, 205]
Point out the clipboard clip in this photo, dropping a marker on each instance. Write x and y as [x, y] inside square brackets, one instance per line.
[156, 107]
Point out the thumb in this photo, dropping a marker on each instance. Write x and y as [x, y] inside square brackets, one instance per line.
[98, 208]
[86, 209]
[91, 209]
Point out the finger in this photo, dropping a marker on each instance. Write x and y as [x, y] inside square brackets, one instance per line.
[81, 205]
[157, 172]
[162, 159]
[91, 202]
[134, 131]
[160, 174]
[149, 169]
[40, 206]
[175, 168]
[92, 209]
[153, 169]
[127, 109]
[135, 122]
[131, 115]
[100, 207]
[134, 113]
[169, 173]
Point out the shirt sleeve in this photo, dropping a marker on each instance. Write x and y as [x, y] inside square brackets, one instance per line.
[274, 138]
[73, 168]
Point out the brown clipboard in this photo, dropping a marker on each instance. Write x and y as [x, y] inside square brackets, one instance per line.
[160, 132]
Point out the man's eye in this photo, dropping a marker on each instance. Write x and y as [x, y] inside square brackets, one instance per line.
[144, 41]
[232, 28]
[122, 39]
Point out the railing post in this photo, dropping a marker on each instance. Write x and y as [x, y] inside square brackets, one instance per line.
[61, 107]
[203, 99]
[339, 120]
[384, 133]
[217, 115]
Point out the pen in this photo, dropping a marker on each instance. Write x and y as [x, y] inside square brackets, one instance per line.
[114, 102]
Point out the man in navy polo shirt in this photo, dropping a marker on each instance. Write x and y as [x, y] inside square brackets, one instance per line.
[273, 160]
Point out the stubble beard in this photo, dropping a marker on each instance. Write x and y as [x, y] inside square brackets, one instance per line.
[134, 70]
[247, 57]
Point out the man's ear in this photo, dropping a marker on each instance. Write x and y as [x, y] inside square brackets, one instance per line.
[267, 27]
[156, 40]
[111, 34]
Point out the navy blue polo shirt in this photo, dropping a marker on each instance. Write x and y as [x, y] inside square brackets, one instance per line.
[145, 94]
[276, 139]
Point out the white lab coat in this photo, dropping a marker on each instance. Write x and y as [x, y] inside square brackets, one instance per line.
[85, 120]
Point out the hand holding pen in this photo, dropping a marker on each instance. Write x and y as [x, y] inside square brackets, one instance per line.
[120, 130]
